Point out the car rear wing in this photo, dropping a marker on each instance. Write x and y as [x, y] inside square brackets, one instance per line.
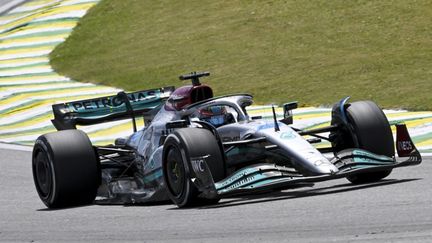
[108, 108]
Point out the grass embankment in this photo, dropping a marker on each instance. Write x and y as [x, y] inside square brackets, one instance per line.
[312, 51]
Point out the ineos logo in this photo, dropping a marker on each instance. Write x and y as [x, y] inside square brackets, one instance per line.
[405, 145]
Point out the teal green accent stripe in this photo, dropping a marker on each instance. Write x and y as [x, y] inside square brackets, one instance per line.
[263, 182]
[153, 175]
[104, 106]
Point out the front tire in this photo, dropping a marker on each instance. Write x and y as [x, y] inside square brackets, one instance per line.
[66, 169]
[179, 147]
[368, 129]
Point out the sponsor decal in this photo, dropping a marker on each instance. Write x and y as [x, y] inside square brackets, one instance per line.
[110, 102]
[198, 163]
[405, 146]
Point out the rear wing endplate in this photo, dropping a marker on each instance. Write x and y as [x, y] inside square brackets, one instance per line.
[108, 108]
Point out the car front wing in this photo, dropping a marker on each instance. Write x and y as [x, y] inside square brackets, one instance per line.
[264, 177]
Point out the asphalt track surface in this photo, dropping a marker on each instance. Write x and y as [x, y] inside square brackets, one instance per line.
[398, 209]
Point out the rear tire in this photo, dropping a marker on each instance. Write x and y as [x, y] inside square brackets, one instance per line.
[179, 147]
[66, 169]
[368, 129]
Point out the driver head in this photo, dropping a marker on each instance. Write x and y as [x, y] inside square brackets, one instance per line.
[215, 115]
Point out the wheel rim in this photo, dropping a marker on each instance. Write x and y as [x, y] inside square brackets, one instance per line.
[43, 175]
[175, 172]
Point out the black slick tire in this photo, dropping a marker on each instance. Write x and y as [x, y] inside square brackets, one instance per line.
[179, 147]
[370, 130]
[66, 169]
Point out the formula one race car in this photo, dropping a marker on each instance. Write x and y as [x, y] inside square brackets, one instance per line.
[195, 149]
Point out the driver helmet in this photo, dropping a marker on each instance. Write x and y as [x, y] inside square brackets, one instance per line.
[215, 115]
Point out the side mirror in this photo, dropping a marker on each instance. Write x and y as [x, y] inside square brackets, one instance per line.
[287, 112]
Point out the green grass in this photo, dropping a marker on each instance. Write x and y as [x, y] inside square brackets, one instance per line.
[313, 51]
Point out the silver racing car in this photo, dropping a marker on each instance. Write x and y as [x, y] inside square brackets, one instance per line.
[196, 149]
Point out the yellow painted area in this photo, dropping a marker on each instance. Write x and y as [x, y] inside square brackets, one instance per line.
[320, 125]
[258, 111]
[26, 108]
[38, 95]
[34, 86]
[296, 116]
[31, 40]
[324, 144]
[39, 2]
[66, 24]
[45, 102]
[418, 122]
[52, 25]
[424, 143]
[112, 130]
[37, 133]
[311, 116]
[23, 20]
[48, 11]
[403, 114]
[11, 16]
[29, 69]
[28, 122]
[20, 20]
[117, 129]
[24, 60]
[414, 123]
[27, 50]
[53, 10]
[53, 76]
